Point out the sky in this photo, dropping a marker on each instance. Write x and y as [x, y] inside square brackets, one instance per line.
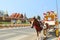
[30, 7]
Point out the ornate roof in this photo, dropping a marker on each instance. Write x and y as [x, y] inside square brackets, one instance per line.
[16, 15]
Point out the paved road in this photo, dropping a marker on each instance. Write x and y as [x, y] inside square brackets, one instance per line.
[24, 33]
[21, 33]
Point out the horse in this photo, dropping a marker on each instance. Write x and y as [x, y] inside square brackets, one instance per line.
[46, 29]
[38, 25]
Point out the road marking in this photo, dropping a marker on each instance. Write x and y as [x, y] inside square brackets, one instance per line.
[8, 34]
[17, 37]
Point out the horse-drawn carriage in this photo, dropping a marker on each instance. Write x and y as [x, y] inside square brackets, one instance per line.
[52, 19]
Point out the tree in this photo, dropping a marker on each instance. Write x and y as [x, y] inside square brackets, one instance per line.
[38, 17]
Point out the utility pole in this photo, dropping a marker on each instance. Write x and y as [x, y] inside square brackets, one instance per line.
[57, 6]
[57, 21]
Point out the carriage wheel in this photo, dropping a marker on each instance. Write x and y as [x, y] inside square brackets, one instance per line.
[57, 33]
[44, 32]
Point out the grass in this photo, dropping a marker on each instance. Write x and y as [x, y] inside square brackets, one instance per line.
[5, 22]
[25, 23]
[10, 23]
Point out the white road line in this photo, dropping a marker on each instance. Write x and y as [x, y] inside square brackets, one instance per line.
[17, 37]
[7, 34]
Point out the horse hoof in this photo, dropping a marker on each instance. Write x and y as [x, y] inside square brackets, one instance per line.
[45, 38]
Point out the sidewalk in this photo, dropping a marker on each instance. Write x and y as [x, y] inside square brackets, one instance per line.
[5, 28]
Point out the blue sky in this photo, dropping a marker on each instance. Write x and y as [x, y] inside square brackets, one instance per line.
[29, 7]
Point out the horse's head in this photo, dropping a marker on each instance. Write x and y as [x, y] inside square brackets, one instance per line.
[33, 20]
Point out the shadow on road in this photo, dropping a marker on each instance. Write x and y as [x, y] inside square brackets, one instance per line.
[52, 37]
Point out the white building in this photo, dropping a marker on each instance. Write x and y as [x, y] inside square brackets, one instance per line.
[1, 13]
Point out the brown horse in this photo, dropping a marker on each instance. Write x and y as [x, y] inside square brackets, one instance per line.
[38, 25]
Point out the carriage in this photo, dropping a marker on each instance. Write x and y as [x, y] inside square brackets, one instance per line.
[52, 19]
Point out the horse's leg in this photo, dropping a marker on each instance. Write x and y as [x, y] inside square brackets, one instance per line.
[41, 35]
[37, 35]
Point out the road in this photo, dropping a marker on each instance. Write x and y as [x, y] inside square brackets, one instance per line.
[21, 33]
